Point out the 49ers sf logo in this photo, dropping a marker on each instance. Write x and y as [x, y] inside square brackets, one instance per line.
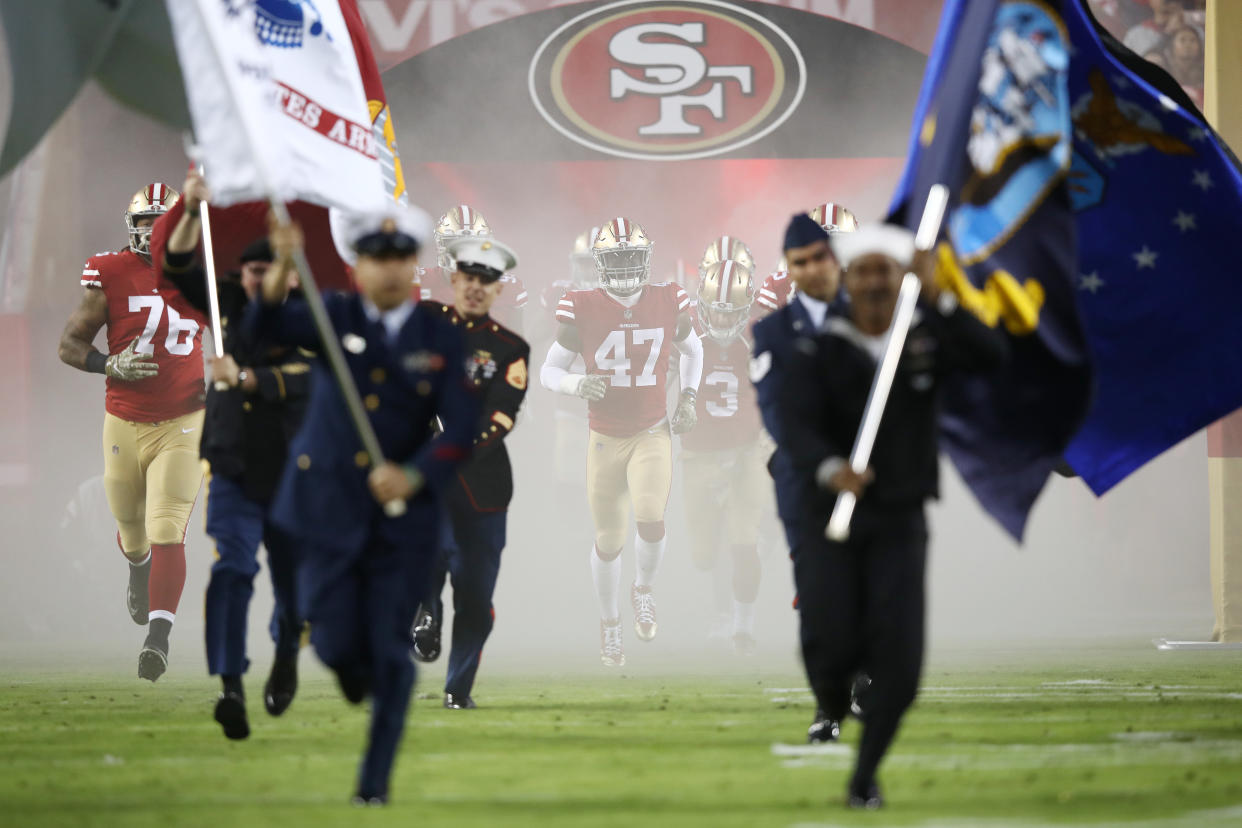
[668, 81]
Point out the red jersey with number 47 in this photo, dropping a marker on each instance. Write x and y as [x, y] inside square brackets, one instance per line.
[631, 347]
[727, 406]
[144, 307]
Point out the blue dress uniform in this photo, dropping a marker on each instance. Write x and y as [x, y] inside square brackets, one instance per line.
[774, 338]
[245, 438]
[478, 500]
[361, 573]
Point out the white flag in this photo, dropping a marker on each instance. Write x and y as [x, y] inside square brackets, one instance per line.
[277, 101]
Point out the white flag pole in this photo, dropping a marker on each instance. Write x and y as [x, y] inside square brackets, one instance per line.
[314, 302]
[838, 528]
[213, 293]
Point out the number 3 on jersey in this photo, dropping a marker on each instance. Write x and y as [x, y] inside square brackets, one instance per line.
[611, 356]
[173, 343]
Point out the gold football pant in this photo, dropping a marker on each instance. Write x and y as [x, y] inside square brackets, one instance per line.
[151, 477]
[724, 493]
[639, 466]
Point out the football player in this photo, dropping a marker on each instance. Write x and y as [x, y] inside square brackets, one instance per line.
[624, 331]
[722, 458]
[154, 414]
[778, 288]
[437, 282]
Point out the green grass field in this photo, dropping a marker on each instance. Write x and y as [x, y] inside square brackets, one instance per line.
[1123, 736]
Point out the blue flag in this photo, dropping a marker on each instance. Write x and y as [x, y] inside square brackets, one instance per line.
[1157, 197]
[993, 124]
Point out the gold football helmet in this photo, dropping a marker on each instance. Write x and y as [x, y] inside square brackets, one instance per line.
[622, 254]
[834, 218]
[152, 201]
[726, 294]
[459, 221]
[725, 248]
[582, 261]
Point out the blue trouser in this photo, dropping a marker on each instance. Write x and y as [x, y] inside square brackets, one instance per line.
[470, 547]
[361, 606]
[785, 481]
[238, 524]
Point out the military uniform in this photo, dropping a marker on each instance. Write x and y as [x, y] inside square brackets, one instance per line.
[244, 445]
[477, 501]
[862, 600]
[361, 573]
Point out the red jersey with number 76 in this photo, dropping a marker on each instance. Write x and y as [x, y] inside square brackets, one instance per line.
[631, 347]
[145, 307]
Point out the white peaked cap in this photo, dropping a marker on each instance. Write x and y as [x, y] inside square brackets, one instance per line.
[349, 226]
[890, 240]
[481, 251]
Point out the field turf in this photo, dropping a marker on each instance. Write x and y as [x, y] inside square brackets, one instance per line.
[1118, 736]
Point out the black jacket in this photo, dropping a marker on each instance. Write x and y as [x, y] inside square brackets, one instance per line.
[826, 389]
[246, 435]
[497, 364]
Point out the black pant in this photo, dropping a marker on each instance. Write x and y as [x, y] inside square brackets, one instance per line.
[862, 608]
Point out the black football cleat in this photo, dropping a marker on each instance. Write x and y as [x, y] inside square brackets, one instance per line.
[153, 660]
[137, 599]
[361, 800]
[823, 729]
[426, 634]
[281, 686]
[866, 799]
[458, 702]
[231, 714]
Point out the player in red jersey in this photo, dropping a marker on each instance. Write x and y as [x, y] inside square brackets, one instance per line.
[625, 331]
[154, 415]
[723, 458]
[778, 288]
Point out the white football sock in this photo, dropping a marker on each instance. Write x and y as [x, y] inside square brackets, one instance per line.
[607, 577]
[649, 554]
[743, 618]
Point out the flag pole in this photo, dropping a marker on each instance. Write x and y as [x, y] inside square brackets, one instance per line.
[838, 528]
[310, 290]
[213, 294]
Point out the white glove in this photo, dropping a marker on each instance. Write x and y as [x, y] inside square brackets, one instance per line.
[130, 366]
[592, 388]
[685, 416]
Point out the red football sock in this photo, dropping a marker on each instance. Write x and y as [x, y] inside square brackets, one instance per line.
[167, 579]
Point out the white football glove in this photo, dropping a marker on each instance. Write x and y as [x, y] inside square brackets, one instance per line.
[592, 388]
[685, 416]
[130, 366]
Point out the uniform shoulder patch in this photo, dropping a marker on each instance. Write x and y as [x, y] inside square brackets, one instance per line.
[516, 374]
[760, 364]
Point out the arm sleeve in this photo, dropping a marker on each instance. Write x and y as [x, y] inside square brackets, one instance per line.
[287, 382]
[457, 409]
[690, 364]
[554, 374]
[188, 277]
[500, 406]
[765, 375]
[804, 412]
[289, 323]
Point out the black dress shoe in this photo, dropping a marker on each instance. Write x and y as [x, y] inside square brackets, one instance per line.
[426, 634]
[361, 800]
[281, 685]
[231, 714]
[354, 686]
[452, 702]
[868, 798]
[823, 729]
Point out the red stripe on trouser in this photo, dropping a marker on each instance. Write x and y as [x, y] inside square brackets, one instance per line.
[167, 577]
